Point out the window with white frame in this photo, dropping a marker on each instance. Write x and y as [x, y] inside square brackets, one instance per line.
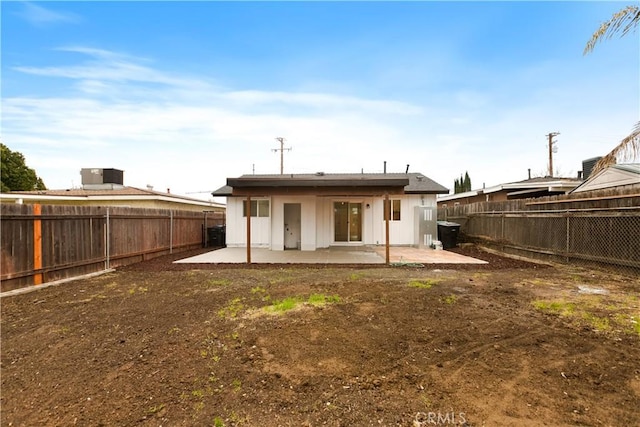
[259, 208]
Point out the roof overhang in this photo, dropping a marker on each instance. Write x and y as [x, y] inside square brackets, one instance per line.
[538, 192]
[326, 185]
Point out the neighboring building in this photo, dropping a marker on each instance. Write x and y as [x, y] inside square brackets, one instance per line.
[616, 176]
[310, 211]
[118, 196]
[534, 187]
[103, 187]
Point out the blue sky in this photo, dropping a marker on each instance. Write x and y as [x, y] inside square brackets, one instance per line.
[182, 95]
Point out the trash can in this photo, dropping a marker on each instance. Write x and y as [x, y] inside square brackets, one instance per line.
[216, 236]
[448, 234]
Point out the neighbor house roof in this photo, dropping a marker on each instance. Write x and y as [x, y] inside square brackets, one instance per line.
[115, 192]
[622, 175]
[520, 189]
[411, 183]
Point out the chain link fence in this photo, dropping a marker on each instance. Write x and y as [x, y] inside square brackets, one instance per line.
[599, 229]
[593, 238]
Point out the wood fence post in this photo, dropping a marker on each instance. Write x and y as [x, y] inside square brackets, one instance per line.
[568, 238]
[107, 240]
[170, 232]
[37, 245]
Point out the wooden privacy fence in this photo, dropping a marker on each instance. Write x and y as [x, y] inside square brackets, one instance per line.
[595, 229]
[42, 243]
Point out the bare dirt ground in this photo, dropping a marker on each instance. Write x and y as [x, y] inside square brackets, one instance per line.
[504, 344]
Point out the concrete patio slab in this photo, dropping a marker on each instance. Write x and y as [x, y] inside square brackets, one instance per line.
[333, 255]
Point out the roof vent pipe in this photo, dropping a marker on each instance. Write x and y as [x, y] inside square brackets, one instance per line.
[385, 167]
[529, 172]
[407, 171]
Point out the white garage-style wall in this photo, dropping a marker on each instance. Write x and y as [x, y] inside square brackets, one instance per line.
[236, 230]
[317, 221]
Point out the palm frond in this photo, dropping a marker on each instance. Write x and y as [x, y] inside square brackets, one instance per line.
[621, 22]
[628, 149]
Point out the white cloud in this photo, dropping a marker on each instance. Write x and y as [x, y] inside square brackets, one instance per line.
[188, 134]
[40, 16]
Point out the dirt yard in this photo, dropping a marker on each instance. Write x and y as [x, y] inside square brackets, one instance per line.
[159, 344]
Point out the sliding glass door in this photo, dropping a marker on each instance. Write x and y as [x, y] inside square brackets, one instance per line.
[347, 222]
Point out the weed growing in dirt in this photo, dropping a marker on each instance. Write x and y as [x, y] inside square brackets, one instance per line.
[218, 282]
[140, 289]
[636, 325]
[290, 303]
[557, 307]
[232, 308]
[599, 323]
[286, 304]
[451, 299]
[217, 422]
[321, 299]
[582, 313]
[355, 276]
[283, 276]
[236, 384]
[423, 284]
[258, 290]
[156, 408]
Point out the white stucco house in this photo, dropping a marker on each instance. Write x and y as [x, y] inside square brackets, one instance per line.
[310, 211]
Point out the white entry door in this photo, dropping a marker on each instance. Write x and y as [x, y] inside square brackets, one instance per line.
[292, 225]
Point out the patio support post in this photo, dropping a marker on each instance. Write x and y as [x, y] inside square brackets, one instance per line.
[387, 212]
[248, 210]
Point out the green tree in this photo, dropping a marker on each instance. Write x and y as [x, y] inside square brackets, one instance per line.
[467, 182]
[14, 173]
[463, 184]
[622, 22]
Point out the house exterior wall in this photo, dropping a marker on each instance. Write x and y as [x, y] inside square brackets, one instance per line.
[308, 221]
[400, 232]
[317, 221]
[236, 231]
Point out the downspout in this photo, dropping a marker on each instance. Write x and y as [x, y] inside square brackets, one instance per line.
[387, 209]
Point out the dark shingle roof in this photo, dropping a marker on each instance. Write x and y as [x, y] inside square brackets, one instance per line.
[413, 183]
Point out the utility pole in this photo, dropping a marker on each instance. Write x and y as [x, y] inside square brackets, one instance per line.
[552, 149]
[281, 150]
